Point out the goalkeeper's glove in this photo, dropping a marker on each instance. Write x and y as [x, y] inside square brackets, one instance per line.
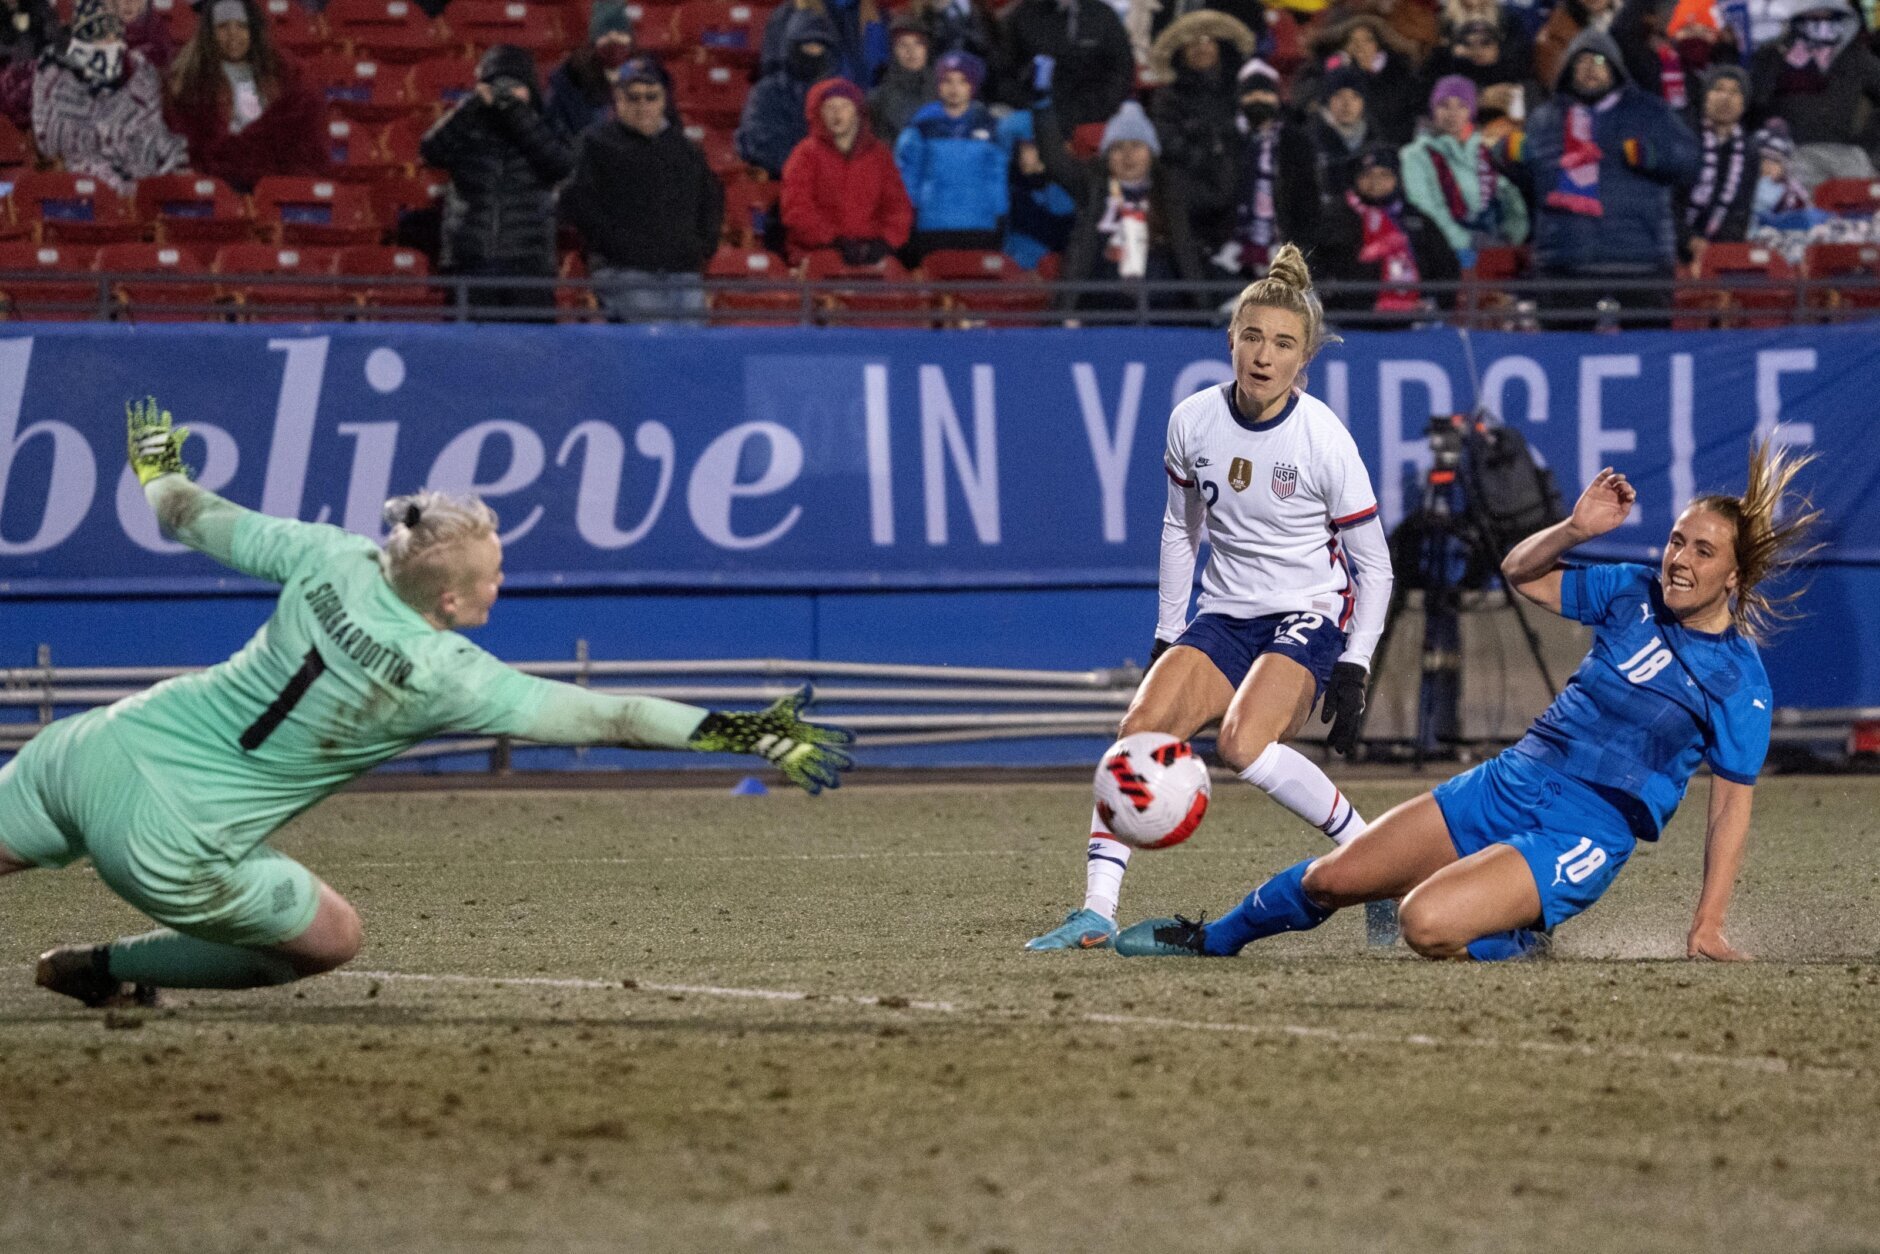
[1344, 706]
[156, 448]
[803, 751]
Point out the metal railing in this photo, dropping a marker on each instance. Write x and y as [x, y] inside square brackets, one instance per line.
[886, 704]
[1529, 304]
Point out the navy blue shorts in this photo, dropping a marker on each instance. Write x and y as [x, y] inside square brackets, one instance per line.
[1312, 640]
[1574, 839]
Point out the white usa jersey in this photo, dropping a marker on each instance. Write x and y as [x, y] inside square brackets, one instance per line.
[1277, 494]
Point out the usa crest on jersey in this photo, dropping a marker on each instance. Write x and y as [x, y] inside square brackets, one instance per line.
[1285, 480]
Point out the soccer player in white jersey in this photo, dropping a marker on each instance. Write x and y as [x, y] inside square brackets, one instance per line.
[1295, 591]
[173, 793]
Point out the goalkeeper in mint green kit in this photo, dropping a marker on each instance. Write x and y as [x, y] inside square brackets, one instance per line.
[173, 793]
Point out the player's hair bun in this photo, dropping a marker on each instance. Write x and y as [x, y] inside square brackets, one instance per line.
[1288, 268]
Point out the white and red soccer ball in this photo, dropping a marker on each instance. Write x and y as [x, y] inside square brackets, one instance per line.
[1152, 790]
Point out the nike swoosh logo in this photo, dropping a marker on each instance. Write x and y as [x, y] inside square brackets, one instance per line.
[1091, 940]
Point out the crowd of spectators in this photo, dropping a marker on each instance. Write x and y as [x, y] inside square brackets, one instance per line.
[1394, 140]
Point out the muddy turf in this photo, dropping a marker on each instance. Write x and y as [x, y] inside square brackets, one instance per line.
[677, 1020]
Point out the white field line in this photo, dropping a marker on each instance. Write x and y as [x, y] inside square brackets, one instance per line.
[1296, 1031]
[903, 855]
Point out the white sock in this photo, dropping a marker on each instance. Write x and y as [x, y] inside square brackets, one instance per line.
[1104, 863]
[1290, 779]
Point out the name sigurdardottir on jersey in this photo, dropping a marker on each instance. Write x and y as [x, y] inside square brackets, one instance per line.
[381, 659]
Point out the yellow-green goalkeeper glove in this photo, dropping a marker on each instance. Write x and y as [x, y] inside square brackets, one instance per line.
[803, 751]
[156, 448]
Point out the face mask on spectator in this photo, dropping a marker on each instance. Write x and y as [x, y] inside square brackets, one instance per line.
[97, 62]
[613, 53]
[806, 66]
[1259, 112]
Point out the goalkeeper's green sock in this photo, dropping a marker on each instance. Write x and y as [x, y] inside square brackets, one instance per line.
[169, 959]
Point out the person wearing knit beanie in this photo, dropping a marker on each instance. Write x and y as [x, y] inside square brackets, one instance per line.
[1129, 124]
[965, 64]
[1453, 87]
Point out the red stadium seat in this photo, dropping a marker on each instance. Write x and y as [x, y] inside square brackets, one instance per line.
[710, 95]
[244, 271]
[154, 300]
[749, 205]
[193, 208]
[386, 30]
[1484, 287]
[535, 27]
[443, 81]
[295, 27]
[1735, 307]
[399, 143]
[721, 150]
[866, 293]
[395, 196]
[371, 261]
[354, 151]
[728, 29]
[178, 16]
[752, 306]
[1020, 292]
[1851, 198]
[1860, 262]
[74, 209]
[296, 210]
[361, 89]
[66, 294]
[655, 29]
[16, 150]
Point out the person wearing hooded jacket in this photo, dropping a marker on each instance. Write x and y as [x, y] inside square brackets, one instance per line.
[907, 83]
[841, 189]
[581, 90]
[858, 46]
[952, 158]
[1196, 113]
[1275, 171]
[1603, 159]
[504, 162]
[773, 121]
[1823, 80]
[98, 104]
[1094, 69]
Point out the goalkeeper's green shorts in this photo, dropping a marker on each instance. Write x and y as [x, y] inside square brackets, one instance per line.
[74, 792]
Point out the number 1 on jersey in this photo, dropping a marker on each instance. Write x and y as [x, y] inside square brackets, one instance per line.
[311, 668]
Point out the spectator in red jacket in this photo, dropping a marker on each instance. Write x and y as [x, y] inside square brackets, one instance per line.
[243, 104]
[841, 189]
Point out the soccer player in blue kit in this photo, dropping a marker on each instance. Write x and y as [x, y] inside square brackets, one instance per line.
[1491, 861]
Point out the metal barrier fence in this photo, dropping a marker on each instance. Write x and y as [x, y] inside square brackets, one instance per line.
[886, 705]
[1603, 304]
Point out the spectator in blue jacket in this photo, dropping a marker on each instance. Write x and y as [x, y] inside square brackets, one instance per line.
[1604, 159]
[1042, 213]
[952, 160]
[858, 49]
[773, 122]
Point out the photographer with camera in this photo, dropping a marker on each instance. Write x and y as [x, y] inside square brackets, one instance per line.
[504, 161]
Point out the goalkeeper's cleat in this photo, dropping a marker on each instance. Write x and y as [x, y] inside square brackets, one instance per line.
[1164, 938]
[803, 751]
[83, 972]
[1081, 929]
[154, 445]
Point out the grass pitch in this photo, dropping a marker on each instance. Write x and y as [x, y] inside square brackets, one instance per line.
[678, 1021]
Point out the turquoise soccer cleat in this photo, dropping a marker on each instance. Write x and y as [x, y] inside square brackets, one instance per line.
[1163, 938]
[1081, 929]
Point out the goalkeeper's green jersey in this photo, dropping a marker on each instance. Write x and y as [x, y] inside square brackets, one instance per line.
[341, 677]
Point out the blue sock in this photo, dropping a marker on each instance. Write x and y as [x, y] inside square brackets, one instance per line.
[1502, 946]
[1279, 905]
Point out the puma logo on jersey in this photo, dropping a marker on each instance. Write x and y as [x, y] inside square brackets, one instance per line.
[1644, 611]
[1758, 703]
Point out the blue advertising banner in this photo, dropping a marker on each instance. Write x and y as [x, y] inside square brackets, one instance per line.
[705, 458]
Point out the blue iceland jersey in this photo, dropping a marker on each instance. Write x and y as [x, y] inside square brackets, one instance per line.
[1653, 698]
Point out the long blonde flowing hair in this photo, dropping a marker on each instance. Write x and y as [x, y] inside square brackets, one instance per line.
[1772, 536]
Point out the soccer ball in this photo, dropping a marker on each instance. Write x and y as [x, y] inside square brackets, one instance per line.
[1152, 790]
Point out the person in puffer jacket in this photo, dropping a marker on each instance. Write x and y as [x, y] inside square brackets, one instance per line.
[504, 161]
[840, 187]
[772, 123]
[952, 158]
[1604, 158]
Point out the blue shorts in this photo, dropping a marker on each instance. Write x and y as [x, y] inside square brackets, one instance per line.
[1312, 640]
[1574, 839]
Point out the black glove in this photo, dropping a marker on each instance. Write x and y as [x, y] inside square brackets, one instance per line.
[1343, 706]
[1160, 647]
[861, 252]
